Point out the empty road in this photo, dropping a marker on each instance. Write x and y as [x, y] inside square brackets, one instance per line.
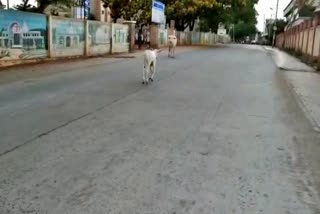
[217, 132]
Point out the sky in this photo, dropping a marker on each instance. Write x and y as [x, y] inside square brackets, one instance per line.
[263, 9]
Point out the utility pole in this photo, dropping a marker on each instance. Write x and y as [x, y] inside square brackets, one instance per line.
[275, 25]
[8, 7]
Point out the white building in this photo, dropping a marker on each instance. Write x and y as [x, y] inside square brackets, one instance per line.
[291, 12]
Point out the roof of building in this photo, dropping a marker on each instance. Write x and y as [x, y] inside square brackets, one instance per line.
[289, 7]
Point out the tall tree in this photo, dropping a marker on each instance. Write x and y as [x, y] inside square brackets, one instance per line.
[230, 12]
[186, 12]
[43, 4]
[242, 29]
[1, 5]
[139, 10]
[281, 24]
[24, 6]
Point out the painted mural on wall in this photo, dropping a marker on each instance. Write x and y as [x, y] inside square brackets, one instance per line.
[67, 37]
[195, 37]
[22, 35]
[120, 38]
[163, 34]
[121, 35]
[99, 38]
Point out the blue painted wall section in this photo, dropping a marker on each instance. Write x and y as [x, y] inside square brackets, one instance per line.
[22, 35]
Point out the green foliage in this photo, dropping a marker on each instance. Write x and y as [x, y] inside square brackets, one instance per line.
[242, 29]
[118, 7]
[1, 5]
[238, 13]
[24, 6]
[43, 4]
[281, 24]
[306, 11]
[138, 10]
[185, 12]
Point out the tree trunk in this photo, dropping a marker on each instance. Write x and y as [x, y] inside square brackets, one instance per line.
[180, 25]
[191, 24]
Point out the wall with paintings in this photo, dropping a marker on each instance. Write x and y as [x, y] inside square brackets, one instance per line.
[68, 37]
[22, 35]
[120, 38]
[163, 37]
[99, 38]
[196, 37]
[25, 36]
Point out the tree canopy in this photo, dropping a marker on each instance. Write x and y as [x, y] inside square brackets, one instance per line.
[24, 6]
[238, 13]
[281, 24]
[1, 3]
[43, 4]
[184, 12]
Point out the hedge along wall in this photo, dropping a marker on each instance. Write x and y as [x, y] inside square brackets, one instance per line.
[22, 35]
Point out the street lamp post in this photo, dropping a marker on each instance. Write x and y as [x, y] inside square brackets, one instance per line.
[8, 7]
[275, 25]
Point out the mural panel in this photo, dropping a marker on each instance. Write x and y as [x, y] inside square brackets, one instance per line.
[195, 37]
[120, 38]
[163, 34]
[99, 38]
[67, 37]
[22, 35]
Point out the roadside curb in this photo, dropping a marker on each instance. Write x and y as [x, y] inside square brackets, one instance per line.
[299, 98]
[22, 63]
[302, 103]
[12, 64]
[284, 60]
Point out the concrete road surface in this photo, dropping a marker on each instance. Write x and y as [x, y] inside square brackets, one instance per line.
[217, 132]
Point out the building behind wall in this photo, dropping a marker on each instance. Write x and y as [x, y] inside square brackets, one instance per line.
[99, 12]
[293, 13]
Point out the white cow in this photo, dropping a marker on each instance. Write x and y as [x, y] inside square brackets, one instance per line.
[172, 39]
[149, 65]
